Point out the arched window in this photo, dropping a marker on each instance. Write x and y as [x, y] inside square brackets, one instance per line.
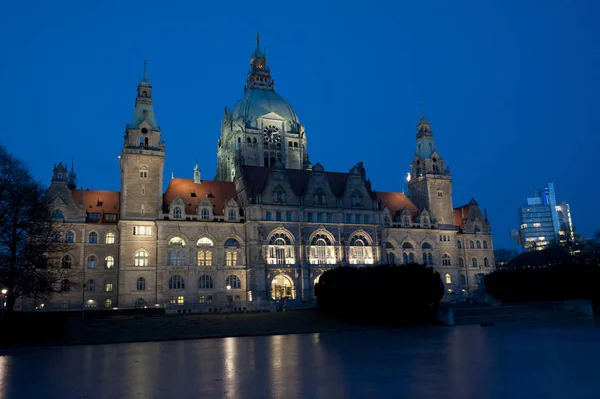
[91, 262]
[205, 282]
[461, 262]
[176, 283]
[485, 245]
[141, 284]
[109, 262]
[471, 244]
[176, 254]
[93, 238]
[408, 246]
[405, 258]
[204, 214]
[463, 280]
[233, 282]
[108, 303]
[391, 258]
[67, 262]
[360, 251]
[141, 258]
[108, 286]
[70, 237]
[109, 238]
[458, 244]
[478, 244]
[446, 261]
[58, 214]
[231, 252]
[427, 255]
[448, 278]
[474, 262]
[280, 250]
[321, 250]
[204, 257]
[282, 287]
[476, 229]
[486, 262]
[177, 212]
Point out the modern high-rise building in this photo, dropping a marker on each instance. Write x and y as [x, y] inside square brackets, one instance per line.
[543, 222]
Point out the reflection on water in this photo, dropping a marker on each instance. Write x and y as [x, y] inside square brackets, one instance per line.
[536, 360]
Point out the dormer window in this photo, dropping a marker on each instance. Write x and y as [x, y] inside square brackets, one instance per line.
[319, 197]
[232, 214]
[144, 174]
[60, 175]
[356, 199]
[177, 212]
[204, 214]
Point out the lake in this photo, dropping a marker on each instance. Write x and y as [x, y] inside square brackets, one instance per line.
[535, 360]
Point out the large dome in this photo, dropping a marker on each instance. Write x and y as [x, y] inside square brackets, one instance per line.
[258, 102]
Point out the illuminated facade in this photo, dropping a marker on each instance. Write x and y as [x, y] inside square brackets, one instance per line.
[543, 222]
[269, 224]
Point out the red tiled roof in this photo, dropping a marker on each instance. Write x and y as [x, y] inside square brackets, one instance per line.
[98, 201]
[461, 213]
[217, 192]
[396, 202]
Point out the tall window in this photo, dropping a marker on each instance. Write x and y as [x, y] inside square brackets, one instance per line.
[280, 250]
[67, 262]
[233, 282]
[474, 262]
[70, 237]
[109, 262]
[446, 261]
[108, 286]
[486, 262]
[205, 282]
[427, 253]
[141, 258]
[204, 257]
[458, 244]
[408, 256]
[448, 278]
[360, 252]
[471, 244]
[177, 212]
[232, 214]
[461, 262]
[322, 250]
[176, 283]
[204, 214]
[91, 262]
[110, 238]
[93, 238]
[485, 244]
[141, 284]
[231, 252]
[478, 244]
[463, 280]
[91, 285]
[391, 258]
[108, 303]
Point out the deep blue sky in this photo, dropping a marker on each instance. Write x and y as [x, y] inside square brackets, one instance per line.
[510, 87]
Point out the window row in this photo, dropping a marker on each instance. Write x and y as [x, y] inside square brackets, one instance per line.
[92, 262]
[474, 262]
[204, 282]
[109, 238]
[180, 299]
[473, 244]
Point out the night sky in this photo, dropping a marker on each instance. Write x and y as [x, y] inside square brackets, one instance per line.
[510, 88]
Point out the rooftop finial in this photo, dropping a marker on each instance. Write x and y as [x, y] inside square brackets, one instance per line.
[145, 64]
[257, 40]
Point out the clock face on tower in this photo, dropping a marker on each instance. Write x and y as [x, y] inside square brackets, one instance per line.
[272, 134]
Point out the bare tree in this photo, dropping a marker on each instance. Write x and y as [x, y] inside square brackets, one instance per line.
[30, 241]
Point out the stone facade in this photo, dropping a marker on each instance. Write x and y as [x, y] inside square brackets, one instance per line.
[267, 227]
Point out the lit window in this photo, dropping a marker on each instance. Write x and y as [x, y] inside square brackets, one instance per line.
[231, 258]
[141, 258]
[108, 303]
[110, 217]
[448, 278]
[204, 258]
[537, 225]
[180, 300]
[109, 262]
[110, 238]
[142, 231]
[108, 287]
[91, 262]
[93, 238]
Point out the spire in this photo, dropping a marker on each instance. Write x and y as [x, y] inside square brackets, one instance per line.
[143, 104]
[259, 76]
[423, 120]
[197, 174]
[72, 176]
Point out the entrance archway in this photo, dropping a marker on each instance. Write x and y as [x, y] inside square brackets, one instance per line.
[282, 287]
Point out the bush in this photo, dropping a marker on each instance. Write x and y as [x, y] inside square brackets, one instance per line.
[552, 283]
[387, 294]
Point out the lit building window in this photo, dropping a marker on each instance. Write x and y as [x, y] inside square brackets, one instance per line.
[108, 286]
[108, 303]
[233, 282]
[110, 238]
[280, 250]
[321, 250]
[231, 252]
[141, 258]
[448, 278]
[359, 252]
[109, 262]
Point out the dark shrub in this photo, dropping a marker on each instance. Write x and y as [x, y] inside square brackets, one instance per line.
[551, 283]
[386, 294]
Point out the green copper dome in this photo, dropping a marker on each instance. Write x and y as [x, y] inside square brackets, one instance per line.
[258, 102]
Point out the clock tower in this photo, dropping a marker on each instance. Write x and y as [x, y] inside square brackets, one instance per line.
[430, 184]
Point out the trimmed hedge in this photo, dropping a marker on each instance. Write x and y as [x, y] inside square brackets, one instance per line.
[387, 294]
[552, 283]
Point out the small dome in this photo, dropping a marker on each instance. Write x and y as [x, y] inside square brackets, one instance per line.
[259, 102]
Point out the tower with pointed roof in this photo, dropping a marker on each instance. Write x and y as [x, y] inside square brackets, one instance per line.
[430, 182]
[142, 160]
[262, 129]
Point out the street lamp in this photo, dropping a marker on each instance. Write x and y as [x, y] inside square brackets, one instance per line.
[228, 287]
[4, 291]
